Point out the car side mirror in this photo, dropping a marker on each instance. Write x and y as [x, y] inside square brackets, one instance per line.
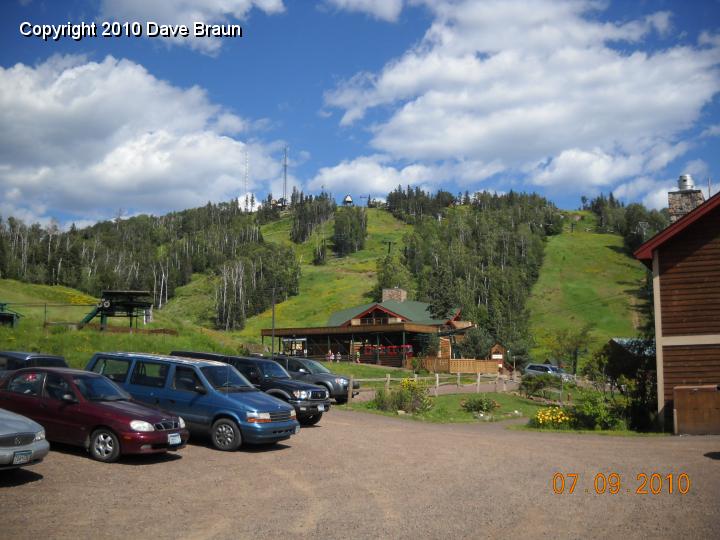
[302, 370]
[200, 389]
[69, 398]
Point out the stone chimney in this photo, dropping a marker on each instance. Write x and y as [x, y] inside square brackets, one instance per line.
[397, 294]
[685, 199]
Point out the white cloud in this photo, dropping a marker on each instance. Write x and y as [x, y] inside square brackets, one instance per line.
[368, 174]
[187, 12]
[527, 82]
[387, 10]
[373, 174]
[86, 138]
[657, 199]
[595, 167]
[697, 167]
[711, 131]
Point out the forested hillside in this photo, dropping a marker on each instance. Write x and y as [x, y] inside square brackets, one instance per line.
[482, 256]
[157, 254]
[217, 266]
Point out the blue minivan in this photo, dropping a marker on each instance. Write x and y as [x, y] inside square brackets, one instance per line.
[212, 397]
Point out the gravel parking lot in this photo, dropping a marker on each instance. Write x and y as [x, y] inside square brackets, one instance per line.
[358, 475]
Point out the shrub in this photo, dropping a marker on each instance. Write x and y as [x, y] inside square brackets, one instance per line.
[593, 411]
[479, 404]
[412, 396]
[552, 417]
[537, 385]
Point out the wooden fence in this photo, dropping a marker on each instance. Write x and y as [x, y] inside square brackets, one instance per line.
[459, 365]
[435, 381]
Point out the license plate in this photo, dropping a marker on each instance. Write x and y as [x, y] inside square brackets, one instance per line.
[174, 439]
[22, 457]
[321, 408]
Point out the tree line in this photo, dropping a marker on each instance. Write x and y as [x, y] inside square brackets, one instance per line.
[482, 257]
[157, 254]
[633, 222]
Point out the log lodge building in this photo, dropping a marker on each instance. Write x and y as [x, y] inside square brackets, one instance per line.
[387, 333]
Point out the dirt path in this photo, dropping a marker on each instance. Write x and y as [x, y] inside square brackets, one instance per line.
[365, 476]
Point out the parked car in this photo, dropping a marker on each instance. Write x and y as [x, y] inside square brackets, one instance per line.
[14, 360]
[313, 372]
[211, 396]
[85, 409]
[532, 370]
[22, 441]
[560, 372]
[309, 401]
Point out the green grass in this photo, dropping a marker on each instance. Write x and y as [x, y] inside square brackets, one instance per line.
[342, 282]
[446, 409]
[586, 278]
[79, 345]
[364, 371]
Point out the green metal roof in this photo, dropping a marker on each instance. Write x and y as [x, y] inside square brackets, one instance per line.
[410, 310]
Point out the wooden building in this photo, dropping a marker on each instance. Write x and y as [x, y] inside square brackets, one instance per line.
[685, 263]
[388, 333]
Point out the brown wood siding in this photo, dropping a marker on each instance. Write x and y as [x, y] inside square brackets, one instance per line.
[690, 279]
[690, 365]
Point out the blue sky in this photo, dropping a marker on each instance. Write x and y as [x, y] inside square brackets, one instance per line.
[562, 98]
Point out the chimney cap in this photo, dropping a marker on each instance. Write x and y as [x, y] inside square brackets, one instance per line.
[686, 182]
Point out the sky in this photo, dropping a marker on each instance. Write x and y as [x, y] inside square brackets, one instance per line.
[562, 98]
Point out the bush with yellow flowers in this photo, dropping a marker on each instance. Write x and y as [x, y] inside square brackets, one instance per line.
[551, 417]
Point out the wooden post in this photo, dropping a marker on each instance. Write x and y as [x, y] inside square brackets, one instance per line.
[505, 386]
[437, 383]
[351, 383]
[387, 382]
[416, 377]
[478, 383]
[458, 380]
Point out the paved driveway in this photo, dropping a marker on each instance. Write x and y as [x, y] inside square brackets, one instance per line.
[358, 475]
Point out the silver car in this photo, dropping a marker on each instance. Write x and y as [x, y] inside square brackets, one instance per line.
[22, 441]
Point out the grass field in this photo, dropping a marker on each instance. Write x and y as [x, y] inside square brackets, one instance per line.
[447, 408]
[342, 282]
[586, 278]
[79, 345]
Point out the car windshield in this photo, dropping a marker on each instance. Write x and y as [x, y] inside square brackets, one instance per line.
[271, 369]
[226, 378]
[99, 389]
[316, 367]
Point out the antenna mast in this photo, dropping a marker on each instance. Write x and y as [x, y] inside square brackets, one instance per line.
[285, 175]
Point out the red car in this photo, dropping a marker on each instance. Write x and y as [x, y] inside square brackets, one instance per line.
[89, 410]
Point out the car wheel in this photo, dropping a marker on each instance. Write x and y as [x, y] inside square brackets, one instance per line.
[341, 400]
[104, 446]
[310, 420]
[226, 435]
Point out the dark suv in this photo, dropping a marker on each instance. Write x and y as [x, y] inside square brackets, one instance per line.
[310, 401]
[12, 360]
[313, 372]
